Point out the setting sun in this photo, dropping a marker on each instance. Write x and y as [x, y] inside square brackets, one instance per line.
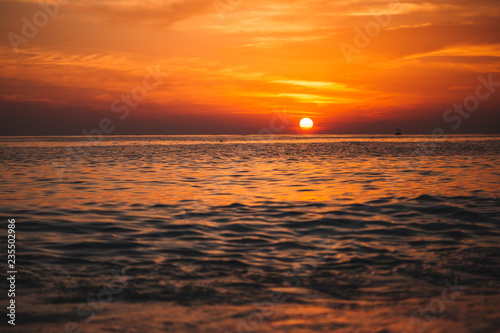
[306, 123]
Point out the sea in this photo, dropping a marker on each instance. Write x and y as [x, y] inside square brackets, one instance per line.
[280, 233]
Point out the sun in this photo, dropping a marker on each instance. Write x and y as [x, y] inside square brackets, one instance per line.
[306, 123]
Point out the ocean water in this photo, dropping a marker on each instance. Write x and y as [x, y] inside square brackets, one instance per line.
[254, 234]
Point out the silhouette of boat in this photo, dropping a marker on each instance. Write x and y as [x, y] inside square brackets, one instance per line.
[398, 132]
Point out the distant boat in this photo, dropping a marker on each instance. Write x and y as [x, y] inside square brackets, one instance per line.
[398, 132]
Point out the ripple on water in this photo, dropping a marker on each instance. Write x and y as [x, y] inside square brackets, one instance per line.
[340, 221]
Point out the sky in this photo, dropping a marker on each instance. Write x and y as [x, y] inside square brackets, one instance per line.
[119, 67]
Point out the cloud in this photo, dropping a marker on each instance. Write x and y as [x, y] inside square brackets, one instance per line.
[317, 85]
[151, 13]
[263, 53]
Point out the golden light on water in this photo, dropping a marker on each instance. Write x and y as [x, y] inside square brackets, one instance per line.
[306, 123]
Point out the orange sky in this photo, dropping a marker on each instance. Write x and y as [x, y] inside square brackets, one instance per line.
[228, 64]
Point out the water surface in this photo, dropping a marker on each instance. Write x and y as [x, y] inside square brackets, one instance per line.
[249, 233]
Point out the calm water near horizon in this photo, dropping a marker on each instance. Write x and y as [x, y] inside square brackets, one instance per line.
[317, 233]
